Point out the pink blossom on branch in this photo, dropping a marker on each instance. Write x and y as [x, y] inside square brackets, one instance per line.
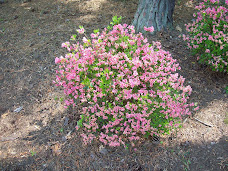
[57, 60]
[81, 30]
[149, 29]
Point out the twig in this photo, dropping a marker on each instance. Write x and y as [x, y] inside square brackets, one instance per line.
[202, 122]
[185, 120]
[3, 139]
[67, 135]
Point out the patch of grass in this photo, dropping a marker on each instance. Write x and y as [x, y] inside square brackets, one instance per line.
[186, 160]
[184, 157]
[226, 119]
[34, 26]
[2, 30]
[61, 130]
[179, 2]
[33, 153]
[61, 99]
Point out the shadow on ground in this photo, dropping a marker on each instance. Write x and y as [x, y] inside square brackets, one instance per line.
[58, 154]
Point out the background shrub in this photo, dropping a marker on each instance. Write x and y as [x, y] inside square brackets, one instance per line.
[208, 35]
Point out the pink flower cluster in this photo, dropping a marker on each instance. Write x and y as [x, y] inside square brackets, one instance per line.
[208, 35]
[149, 29]
[131, 87]
[81, 30]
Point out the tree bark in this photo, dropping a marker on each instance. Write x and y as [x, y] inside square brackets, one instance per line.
[156, 13]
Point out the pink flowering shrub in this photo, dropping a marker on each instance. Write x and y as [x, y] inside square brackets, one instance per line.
[129, 87]
[208, 35]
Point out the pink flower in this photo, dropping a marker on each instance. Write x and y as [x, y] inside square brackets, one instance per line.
[85, 40]
[135, 73]
[132, 42]
[57, 60]
[66, 44]
[197, 108]
[71, 76]
[81, 30]
[207, 51]
[124, 45]
[134, 82]
[149, 29]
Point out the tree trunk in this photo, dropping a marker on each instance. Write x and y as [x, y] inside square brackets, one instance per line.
[156, 13]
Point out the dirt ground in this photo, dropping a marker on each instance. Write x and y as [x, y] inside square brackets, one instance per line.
[37, 133]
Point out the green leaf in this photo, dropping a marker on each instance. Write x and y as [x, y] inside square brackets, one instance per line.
[147, 135]
[74, 37]
[96, 31]
[61, 130]
[33, 153]
[109, 28]
[86, 82]
[118, 128]
[127, 146]
[114, 18]
[226, 89]
[82, 117]
[79, 124]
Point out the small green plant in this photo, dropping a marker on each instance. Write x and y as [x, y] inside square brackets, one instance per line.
[61, 99]
[186, 161]
[2, 30]
[183, 156]
[61, 130]
[33, 153]
[179, 2]
[226, 89]
[226, 119]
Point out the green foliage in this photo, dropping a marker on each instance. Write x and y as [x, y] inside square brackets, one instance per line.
[226, 119]
[33, 153]
[226, 89]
